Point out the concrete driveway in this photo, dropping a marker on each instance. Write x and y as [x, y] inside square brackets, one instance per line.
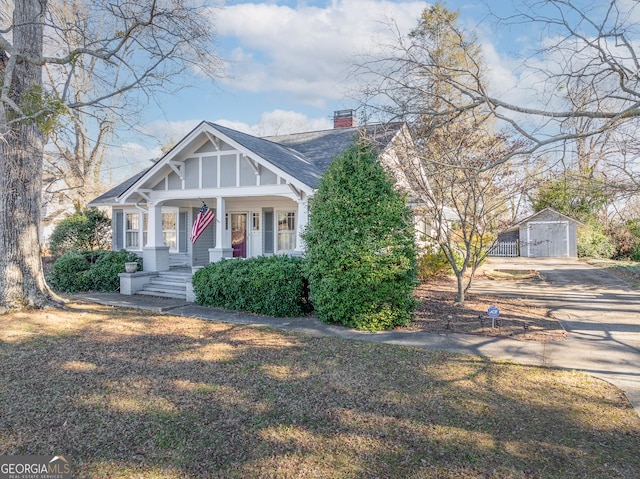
[601, 313]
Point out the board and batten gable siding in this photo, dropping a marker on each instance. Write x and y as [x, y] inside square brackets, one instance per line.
[210, 168]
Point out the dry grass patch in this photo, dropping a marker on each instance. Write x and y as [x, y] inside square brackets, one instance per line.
[628, 271]
[127, 394]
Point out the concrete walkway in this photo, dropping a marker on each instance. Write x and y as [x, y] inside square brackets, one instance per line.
[601, 313]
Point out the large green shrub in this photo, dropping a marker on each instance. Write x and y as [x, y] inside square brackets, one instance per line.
[273, 285]
[360, 246]
[88, 230]
[90, 270]
[69, 273]
[594, 243]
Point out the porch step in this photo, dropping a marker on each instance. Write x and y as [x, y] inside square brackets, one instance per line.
[168, 284]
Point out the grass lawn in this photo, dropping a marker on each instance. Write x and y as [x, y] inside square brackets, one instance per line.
[626, 270]
[128, 394]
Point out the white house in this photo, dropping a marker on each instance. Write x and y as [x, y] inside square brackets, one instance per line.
[258, 188]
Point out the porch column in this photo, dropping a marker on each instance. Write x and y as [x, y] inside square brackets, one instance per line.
[221, 250]
[155, 255]
[302, 218]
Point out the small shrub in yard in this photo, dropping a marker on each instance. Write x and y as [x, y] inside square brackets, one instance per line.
[433, 264]
[594, 243]
[273, 286]
[95, 270]
[103, 274]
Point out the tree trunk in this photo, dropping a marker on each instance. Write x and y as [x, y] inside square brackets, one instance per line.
[22, 281]
[461, 290]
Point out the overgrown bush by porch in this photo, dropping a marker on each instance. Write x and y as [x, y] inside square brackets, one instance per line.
[89, 229]
[94, 270]
[273, 285]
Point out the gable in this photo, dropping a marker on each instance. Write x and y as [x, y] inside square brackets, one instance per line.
[213, 157]
[547, 215]
[208, 167]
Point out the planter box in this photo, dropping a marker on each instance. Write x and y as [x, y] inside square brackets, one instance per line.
[131, 267]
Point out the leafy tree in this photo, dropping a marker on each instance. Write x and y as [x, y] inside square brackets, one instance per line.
[360, 245]
[571, 194]
[152, 41]
[87, 230]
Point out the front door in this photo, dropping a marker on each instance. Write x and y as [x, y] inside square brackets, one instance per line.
[239, 234]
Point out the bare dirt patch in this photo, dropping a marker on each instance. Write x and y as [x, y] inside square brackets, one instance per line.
[518, 318]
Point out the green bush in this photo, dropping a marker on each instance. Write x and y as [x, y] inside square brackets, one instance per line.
[594, 243]
[103, 275]
[433, 264]
[88, 230]
[273, 285]
[90, 270]
[69, 273]
[360, 246]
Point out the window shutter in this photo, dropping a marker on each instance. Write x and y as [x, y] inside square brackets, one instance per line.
[182, 232]
[267, 231]
[117, 224]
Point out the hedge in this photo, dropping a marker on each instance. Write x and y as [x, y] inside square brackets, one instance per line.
[273, 285]
[91, 270]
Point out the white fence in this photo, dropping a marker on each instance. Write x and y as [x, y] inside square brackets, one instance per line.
[505, 248]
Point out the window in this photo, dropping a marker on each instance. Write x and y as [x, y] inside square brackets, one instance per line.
[132, 231]
[255, 223]
[169, 230]
[286, 230]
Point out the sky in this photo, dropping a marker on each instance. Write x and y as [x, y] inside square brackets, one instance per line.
[286, 68]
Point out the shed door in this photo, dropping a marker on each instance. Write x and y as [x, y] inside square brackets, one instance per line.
[548, 239]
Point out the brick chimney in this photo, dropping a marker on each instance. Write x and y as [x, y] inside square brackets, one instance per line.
[344, 119]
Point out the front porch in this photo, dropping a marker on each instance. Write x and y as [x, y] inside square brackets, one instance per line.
[243, 227]
[174, 283]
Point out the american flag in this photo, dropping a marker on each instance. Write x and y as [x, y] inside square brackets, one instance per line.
[205, 216]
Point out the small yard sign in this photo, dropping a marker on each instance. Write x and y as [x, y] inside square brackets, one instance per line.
[493, 312]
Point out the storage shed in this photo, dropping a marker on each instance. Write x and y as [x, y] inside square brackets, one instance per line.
[546, 234]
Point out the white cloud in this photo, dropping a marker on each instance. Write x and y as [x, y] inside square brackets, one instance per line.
[130, 158]
[280, 122]
[169, 132]
[305, 50]
[270, 123]
[126, 160]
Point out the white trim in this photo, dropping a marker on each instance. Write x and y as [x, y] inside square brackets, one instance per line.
[177, 167]
[276, 231]
[545, 222]
[214, 135]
